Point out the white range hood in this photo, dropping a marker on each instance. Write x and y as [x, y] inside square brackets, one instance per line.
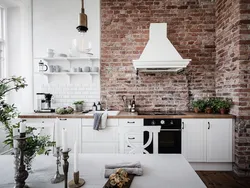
[160, 55]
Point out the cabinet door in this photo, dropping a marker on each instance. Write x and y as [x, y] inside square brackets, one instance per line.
[72, 127]
[45, 127]
[193, 140]
[219, 140]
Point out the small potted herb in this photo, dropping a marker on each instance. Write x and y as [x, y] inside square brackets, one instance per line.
[79, 106]
[224, 105]
[198, 105]
[209, 103]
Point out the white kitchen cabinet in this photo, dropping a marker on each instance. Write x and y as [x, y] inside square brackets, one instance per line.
[130, 122]
[102, 141]
[194, 140]
[134, 137]
[207, 140]
[45, 127]
[72, 125]
[219, 140]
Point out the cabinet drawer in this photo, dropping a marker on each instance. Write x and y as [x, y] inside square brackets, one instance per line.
[135, 138]
[99, 147]
[90, 122]
[35, 120]
[127, 148]
[130, 122]
[108, 134]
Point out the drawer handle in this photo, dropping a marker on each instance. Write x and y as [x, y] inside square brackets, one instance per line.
[63, 119]
[208, 125]
[182, 125]
[128, 146]
[131, 138]
[130, 122]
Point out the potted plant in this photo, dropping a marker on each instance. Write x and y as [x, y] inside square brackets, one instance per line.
[198, 105]
[209, 105]
[224, 105]
[35, 144]
[79, 105]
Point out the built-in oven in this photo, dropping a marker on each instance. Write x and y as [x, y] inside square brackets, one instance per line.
[169, 139]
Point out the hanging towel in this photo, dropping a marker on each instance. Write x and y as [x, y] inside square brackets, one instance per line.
[97, 121]
[104, 119]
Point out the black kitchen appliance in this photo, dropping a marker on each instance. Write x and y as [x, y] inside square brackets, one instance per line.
[169, 138]
[44, 103]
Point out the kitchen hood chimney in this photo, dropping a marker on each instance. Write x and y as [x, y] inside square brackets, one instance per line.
[160, 55]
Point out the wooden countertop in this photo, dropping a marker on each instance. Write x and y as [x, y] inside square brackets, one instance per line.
[126, 115]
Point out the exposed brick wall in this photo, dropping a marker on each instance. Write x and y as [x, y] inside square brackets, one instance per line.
[124, 34]
[233, 71]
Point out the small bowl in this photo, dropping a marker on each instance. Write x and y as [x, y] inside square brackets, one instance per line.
[62, 55]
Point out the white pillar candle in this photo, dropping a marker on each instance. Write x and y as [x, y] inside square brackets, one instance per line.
[90, 45]
[76, 156]
[15, 133]
[64, 140]
[57, 134]
[22, 127]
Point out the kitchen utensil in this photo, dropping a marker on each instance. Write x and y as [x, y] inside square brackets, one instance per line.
[42, 66]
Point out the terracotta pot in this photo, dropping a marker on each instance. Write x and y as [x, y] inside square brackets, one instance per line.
[223, 111]
[208, 110]
[196, 110]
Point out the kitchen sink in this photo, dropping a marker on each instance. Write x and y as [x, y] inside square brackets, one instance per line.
[110, 113]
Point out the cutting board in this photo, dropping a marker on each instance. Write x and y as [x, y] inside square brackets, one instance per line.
[127, 185]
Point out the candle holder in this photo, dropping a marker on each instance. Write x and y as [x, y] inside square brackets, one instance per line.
[21, 174]
[76, 182]
[57, 177]
[16, 159]
[65, 155]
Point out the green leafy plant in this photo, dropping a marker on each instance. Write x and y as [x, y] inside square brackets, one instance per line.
[78, 102]
[36, 144]
[223, 105]
[199, 105]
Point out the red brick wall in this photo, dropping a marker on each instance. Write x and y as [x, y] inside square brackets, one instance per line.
[124, 34]
[233, 71]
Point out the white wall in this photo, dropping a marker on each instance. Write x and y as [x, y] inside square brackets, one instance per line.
[54, 26]
[55, 22]
[19, 51]
[14, 49]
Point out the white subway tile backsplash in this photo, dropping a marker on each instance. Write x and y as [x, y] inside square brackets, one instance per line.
[67, 94]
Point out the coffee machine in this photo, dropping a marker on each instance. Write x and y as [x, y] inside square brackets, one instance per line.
[44, 102]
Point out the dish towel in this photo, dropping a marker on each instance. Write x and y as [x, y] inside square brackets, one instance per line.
[131, 168]
[97, 121]
[104, 119]
[124, 165]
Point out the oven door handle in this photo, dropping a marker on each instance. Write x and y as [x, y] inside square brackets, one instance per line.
[166, 130]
